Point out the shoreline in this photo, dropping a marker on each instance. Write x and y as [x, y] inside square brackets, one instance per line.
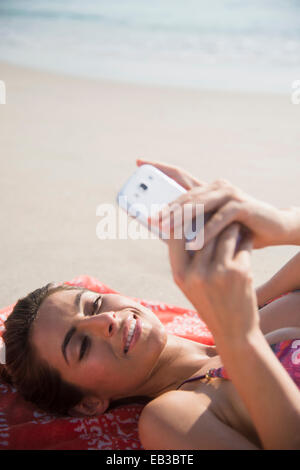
[140, 83]
[69, 143]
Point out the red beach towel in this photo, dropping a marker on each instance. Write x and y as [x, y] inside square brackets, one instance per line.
[23, 426]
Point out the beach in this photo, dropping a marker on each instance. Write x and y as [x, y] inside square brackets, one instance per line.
[68, 144]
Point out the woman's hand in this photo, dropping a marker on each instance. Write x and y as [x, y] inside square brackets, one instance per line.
[267, 224]
[218, 282]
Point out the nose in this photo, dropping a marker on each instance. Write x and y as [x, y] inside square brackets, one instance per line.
[106, 324]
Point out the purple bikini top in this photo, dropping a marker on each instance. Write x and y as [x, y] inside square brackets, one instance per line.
[288, 353]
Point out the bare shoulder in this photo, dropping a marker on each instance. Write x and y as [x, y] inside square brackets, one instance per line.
[182, 419]
[163, 424]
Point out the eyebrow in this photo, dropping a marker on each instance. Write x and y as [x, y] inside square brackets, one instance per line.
[72, 330]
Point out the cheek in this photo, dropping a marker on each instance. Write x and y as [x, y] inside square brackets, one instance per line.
[118, 302]
[111, 378]
[100, 360]
[158, 334]
[95, 374]
[102, 363]
[152, 344]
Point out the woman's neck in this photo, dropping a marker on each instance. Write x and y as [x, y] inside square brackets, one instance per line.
[180, 359]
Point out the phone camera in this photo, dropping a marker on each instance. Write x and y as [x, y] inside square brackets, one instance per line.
[143, 186]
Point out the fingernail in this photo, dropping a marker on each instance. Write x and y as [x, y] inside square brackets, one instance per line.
[195, 245]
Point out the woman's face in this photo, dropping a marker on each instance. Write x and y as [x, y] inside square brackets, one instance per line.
[106, 344]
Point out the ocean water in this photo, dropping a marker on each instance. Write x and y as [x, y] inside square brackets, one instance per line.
[227, 45]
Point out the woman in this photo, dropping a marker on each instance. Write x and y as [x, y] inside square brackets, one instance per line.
[72, 351]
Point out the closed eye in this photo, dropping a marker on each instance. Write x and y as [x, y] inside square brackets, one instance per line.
[95, 305]
[86, 343]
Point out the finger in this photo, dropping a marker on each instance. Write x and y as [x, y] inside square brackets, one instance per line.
[201, 259]
[170, 208]
[196, 196]
[244, 252]
[179, 259]
[213, 212]
[160, 165]
[182, 177]
[230, 211]
[190, 216]
[226, 245]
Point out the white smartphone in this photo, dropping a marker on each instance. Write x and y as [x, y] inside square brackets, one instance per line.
[146, 192]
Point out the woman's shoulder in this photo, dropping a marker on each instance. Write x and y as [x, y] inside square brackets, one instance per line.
[156, 419]
[164, 422]
[166, 400]
[182, 419]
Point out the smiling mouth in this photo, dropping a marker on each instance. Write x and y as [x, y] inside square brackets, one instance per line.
[130, 334]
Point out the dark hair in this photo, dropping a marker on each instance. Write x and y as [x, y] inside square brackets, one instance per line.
[32, 376]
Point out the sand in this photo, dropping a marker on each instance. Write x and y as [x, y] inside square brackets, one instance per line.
[68, 144]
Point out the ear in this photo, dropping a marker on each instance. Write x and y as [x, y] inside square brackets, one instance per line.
[89, 406]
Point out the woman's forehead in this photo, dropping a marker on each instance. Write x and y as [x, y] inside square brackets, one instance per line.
[59, 302]
[55, 310]
[52, 321]
[62, 304]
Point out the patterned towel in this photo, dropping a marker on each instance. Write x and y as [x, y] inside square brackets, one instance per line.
[23, 426]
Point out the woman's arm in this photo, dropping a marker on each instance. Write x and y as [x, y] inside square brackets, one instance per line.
[285, 280]
[281, 313]
[218, 282]
[293, 236]
[269, 393]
